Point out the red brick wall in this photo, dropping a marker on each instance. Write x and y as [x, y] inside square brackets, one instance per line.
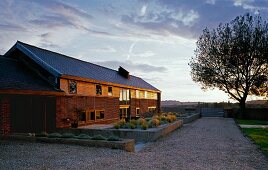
[66, 107]
[143, 104]
[5, 116]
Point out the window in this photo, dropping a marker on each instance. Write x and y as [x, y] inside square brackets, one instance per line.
[152, 109]
[124, 95]
[98, 89]
[110, 91]
[82, 116]
[90, 116]
[72, 87]
[137, 94]
[99, 114]
[137, 112]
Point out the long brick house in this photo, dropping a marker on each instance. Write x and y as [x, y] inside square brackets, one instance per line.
[41, 90]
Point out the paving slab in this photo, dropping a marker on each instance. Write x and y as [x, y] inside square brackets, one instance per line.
[208, 143]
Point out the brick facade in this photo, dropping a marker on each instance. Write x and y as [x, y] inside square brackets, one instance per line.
[143, 104]
[68, 106]
[5, 116]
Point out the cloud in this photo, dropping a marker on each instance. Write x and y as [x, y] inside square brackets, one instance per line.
[63, 9]
[211, 2]
[11, 27]
[130, 66]
[164, 22]
[252, 5]
[107, 49]
[143, 10]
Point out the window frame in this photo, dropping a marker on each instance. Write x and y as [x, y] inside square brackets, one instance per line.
[138, 109]
[110, 93]
[97, 91]
[71, 83]
[100, 115]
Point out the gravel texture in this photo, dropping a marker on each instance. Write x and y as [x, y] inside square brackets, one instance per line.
[208, 143]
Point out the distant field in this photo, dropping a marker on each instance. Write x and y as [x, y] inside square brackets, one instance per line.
[252, 122]
[259, 136]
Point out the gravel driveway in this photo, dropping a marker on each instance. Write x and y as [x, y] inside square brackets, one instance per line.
[208, 143]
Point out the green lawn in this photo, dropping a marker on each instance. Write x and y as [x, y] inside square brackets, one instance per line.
[251, 122]
[259, 136]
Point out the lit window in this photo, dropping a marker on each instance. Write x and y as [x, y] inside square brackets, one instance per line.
[110, 91]
[98, 89]
[137, 112]
[152, 109]
[72, 87]
[145, 95]
[99, 114]
[137, 94]
[124, 95]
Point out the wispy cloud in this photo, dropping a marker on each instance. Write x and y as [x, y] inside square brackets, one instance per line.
[107, 49]
[11, 27]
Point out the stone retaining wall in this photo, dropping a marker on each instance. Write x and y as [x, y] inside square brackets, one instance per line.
[148, 135]
[125, 144]
[191, 118]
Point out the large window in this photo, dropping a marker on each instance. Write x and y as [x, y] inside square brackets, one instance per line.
[110, 91]
[98, 89]
[124, 96]
[137, 94]
[72, 87]
[99, 114]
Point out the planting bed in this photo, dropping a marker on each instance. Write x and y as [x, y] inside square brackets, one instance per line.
[139, 135]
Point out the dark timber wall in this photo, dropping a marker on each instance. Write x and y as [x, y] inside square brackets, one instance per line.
[27, 113]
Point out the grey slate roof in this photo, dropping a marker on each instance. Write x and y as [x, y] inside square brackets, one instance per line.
[15, 76]
[59, 64]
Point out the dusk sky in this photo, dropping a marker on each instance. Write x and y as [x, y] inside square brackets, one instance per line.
[151, 39]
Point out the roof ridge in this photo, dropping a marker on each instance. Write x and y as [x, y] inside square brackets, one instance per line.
[63, 55]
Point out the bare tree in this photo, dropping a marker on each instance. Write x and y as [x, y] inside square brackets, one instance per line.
[233, 58]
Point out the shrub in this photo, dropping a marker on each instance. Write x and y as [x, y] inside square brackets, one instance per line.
[154, 122]
[83, 136]
[113, 138]
[134, 122]
[98, 137]
[163, 118]
[142, 121]
[54, 135]
[132, 125]
[42, 134]
[171, 118]
[144, 126]
[68, 135]
[116, 125]
[122, 123]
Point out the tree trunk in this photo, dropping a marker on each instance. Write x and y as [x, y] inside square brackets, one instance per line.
[242, 109]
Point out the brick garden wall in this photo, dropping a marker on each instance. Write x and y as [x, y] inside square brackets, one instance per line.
[66, 107]
[5, 122]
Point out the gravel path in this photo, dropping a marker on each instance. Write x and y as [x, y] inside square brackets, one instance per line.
[208, 143]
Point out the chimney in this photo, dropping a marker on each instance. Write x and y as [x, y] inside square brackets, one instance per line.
[123, 72]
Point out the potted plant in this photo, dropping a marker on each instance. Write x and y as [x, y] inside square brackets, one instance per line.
[78, 117]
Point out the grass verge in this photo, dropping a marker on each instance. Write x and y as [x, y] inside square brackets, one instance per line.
[251, 122]
[259, 136]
